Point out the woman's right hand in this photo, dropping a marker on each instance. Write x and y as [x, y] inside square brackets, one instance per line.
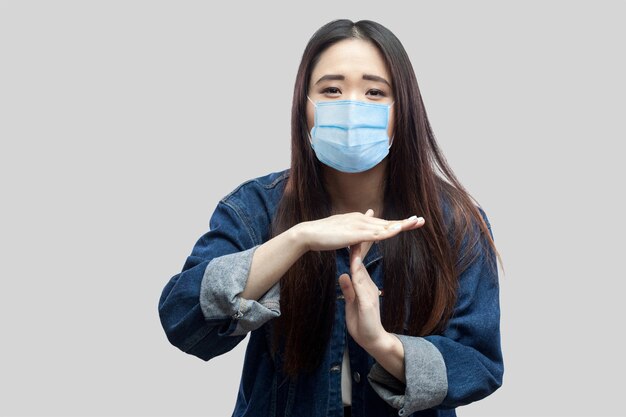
[343, 230]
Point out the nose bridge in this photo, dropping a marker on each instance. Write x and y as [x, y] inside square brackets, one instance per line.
[353, 94]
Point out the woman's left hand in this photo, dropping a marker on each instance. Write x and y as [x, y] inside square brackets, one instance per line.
[362, 300]
[363, 314]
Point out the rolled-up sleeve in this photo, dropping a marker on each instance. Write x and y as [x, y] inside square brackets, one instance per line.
[425, 372]
[224, 279]
[200, 308]
[464, 363]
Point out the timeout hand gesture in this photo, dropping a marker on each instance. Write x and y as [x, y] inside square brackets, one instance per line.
[362, 295]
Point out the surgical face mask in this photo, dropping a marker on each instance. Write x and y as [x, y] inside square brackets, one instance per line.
[350, 136]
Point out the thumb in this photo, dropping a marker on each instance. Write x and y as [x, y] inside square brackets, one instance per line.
[346, 288]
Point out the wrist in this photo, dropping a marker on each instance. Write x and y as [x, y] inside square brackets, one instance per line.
[389, 353]
[298, 238]
[384, 345]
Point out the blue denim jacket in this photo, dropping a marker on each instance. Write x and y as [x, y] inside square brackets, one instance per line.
[203, 315]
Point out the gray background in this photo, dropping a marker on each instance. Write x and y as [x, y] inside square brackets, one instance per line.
[123, 123]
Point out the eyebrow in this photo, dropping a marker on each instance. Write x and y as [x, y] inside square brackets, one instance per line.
[369, 77]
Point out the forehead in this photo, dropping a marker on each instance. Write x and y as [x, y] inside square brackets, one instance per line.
[351, 57]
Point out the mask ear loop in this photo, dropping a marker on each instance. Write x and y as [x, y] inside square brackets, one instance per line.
[394, 134]
[309, 133]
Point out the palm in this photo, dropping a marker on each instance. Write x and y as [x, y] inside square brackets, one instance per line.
[362, 306]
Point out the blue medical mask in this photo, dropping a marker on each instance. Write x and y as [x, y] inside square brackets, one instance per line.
[350, 136]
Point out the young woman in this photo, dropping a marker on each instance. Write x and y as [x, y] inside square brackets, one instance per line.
[353, 303]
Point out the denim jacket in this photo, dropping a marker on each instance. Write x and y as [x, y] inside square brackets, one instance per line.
[203, 315]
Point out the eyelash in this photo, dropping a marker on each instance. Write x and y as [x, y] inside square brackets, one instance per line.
[379, 93]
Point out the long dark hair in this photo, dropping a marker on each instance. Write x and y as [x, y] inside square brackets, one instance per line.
[422, 265]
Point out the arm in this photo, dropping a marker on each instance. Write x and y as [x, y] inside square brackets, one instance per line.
[208, 308]
[201, 309]
[245, 285]
[271, 261]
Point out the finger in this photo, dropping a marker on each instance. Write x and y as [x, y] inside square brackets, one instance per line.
[357, 270]
[362, 284]
[346, 288]
[356, 267]
[365, 248]
[411, 223]
[355, 250]
[414, 224]
[379, 229]
[375, 221]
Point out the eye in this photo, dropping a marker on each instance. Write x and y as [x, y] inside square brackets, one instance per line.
[376, 93]
[331, 91]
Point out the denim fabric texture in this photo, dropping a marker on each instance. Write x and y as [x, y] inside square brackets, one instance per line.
[203, 315]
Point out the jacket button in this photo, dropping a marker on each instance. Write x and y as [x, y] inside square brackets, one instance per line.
[335, 368]
[357, 377]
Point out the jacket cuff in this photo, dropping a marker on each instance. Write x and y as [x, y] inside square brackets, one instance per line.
[225, 277]
[425, 373]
